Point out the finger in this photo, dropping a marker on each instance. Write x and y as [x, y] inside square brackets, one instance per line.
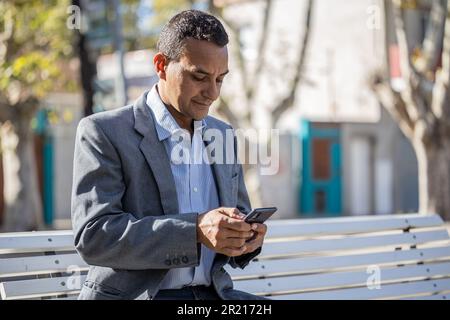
[259, 228]
[232, 213]
[233, 252]
[234, 242]
[252, 246]
[237, 225]
[230, 233]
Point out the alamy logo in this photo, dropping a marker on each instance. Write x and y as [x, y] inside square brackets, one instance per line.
[374, 280]
[74, 19]
[73, 281]
[374, 20]
[256, 147]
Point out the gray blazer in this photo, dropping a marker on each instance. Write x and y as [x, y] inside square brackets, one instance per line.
[125, 215]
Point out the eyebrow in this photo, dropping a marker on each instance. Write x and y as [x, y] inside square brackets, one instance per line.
[199, 70]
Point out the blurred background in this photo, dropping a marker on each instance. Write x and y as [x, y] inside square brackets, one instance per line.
[358, 89]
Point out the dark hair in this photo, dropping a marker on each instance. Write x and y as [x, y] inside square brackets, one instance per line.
[190, 24]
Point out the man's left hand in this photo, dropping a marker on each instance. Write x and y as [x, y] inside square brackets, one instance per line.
[260, 229]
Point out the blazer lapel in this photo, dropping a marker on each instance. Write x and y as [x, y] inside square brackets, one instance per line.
[222, 174]
[155, 154]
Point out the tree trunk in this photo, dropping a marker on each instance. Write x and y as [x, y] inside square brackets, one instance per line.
[88, 67]
[434, 178]
[23, 207]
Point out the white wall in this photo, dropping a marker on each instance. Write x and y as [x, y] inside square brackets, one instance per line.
[343, 52]
[361, 177]
[282, 189]
[384, 182]
[69, 110]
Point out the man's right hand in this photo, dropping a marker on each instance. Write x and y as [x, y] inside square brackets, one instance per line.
[224, 231]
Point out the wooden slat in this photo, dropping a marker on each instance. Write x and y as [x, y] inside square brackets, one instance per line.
[432, 297]
[71, 297]
[36, 241]
[300, 265]
[41, 264]
[340, 279]
[318, 245]
[40, 287]
[348, 225]
[386, 291]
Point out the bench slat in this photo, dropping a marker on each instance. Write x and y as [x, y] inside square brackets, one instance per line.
[41, 287]
[340, 279]
[299, 265]
[433, 297]
[36, 242]
[318, 245]
[41, 264]
[70, 297]
[348, 225]
[390, 291]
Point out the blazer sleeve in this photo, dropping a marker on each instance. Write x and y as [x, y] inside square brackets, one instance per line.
[243, 205]
[105, 235]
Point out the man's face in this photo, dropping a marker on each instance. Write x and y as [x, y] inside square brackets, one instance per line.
[193, 83]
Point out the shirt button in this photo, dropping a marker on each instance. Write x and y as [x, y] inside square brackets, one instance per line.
[176, 261]
[168, 262]
[195, 189]
[184, 259]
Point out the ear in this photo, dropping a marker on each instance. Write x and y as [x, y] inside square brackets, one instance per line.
[160, 62]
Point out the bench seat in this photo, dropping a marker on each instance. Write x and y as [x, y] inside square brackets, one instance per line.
[369, 257]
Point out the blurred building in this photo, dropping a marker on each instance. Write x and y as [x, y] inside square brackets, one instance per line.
[340, 153]
[63, 111]
[139, 74]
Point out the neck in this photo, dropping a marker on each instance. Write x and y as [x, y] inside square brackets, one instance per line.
[183, 121]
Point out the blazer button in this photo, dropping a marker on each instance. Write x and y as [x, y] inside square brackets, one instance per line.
[184, 259]
[176, 261]
[168, 262]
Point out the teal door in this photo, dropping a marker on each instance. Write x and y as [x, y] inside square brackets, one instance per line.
[321, 185]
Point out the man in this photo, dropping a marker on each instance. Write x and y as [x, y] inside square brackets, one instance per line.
[150, 226]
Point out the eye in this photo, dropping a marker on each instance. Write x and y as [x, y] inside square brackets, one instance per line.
[199, 78]
[219, 80]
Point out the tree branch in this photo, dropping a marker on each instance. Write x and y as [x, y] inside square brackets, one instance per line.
[416, 102]
[288, 101]
[432, 42]
[237, 50]
[6, 35]
[224, 109]
[393, 103]
[381, 86]
[261, 50]
[5, 112]
[441, 94]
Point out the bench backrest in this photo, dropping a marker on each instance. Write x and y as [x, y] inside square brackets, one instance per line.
[371, 257]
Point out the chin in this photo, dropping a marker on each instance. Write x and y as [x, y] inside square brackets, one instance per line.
[199, 118]
[200, 115]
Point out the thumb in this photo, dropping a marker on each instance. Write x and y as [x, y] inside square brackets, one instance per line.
[232, 213]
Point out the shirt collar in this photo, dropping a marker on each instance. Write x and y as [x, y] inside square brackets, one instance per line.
[164, 122]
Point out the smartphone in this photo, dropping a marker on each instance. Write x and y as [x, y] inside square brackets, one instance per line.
[259, 215]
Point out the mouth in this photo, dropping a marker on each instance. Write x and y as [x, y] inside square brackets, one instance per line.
[204, 105]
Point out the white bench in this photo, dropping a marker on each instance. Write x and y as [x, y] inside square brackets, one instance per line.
[371, 257]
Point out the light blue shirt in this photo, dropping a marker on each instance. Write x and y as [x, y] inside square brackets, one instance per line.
[194, 181]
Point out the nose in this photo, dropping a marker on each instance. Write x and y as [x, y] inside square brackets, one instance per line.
[212, 91]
